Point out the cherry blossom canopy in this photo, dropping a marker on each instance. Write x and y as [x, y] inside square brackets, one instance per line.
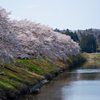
[25, 39]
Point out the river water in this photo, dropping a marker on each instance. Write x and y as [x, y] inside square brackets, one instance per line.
[82, 83]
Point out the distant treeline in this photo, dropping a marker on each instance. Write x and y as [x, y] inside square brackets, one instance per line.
[87, 42]
[73, 36]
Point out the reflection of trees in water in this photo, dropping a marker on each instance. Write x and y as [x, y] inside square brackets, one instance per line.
[94, 75]
[90, 76]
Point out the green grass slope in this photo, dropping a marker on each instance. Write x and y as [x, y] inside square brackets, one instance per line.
[18, 77]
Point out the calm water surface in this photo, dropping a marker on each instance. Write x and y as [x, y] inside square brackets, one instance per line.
[80, 84]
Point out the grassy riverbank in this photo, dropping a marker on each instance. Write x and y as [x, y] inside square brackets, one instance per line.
[92, 56]
[17, 78]
[93, 59]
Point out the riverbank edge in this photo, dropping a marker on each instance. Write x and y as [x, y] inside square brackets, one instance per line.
[73, 62]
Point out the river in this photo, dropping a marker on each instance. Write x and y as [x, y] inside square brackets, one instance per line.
[82, 83]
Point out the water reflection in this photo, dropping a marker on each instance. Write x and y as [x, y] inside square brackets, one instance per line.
[82, 90]
[86, 71]
[79, 84]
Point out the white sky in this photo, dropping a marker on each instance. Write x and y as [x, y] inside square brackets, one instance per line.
[61, 14]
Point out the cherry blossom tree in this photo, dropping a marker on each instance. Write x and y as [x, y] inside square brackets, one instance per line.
[9, 46]
[26, 39]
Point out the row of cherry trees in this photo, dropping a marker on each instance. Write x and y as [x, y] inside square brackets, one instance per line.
[25, 39]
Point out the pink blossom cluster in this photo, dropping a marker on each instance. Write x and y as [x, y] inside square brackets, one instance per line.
[26, 39]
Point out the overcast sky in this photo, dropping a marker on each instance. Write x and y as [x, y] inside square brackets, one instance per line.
[61, 14]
